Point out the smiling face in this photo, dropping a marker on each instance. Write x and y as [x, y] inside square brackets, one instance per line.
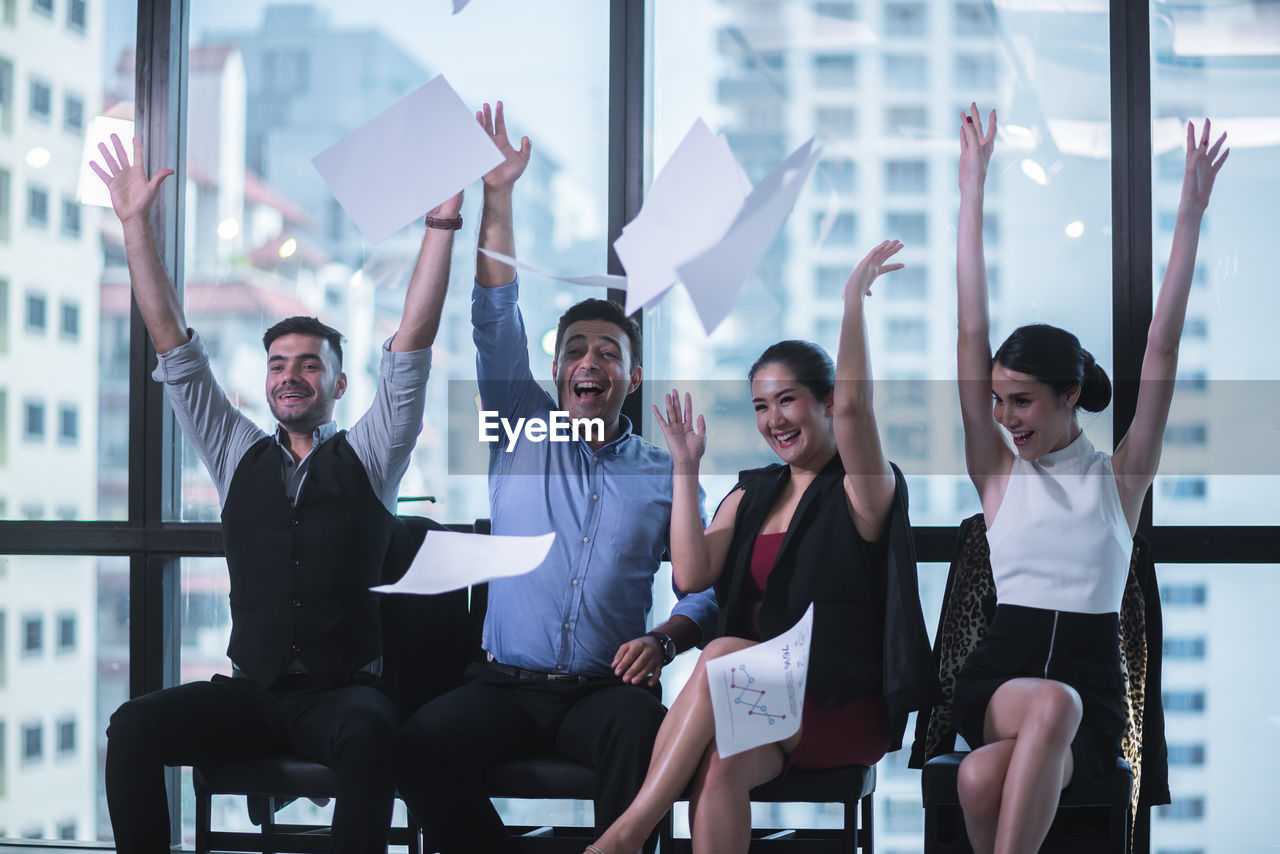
[593, 372]
[303, 381]
[1039, 420]
[795, 423]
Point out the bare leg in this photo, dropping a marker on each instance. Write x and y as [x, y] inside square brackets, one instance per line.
[1039, 717]
[721, 821]
[687, 730]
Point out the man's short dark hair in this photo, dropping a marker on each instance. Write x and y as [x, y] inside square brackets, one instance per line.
[302, 325]
[606, 310]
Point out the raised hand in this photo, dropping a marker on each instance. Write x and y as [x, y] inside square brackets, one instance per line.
[447, 209]
[505, 174]
[685, 442]
[976, 146]
[1203, 163]
[870, 267]
[132, 194]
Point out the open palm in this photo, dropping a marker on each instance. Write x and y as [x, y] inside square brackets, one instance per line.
[1203, 163]
[132, 194]
[515, 159]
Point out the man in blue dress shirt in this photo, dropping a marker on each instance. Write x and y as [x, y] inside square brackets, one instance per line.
[571, 669]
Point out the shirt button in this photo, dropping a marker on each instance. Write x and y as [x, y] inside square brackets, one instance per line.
[294, 522]
[566, 625]
[595, 498]
[595, 459]
[297, 604]
[295, 562]
[586, 539]
[575, 582]
[296, 649]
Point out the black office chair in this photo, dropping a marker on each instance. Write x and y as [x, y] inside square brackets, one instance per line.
[410, 625]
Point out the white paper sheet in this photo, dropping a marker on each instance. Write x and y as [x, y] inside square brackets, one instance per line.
[691, 204]
[715, 277]
[90, 189]
[450, 561]
[600, 281]
[407, 160]
[757, 693]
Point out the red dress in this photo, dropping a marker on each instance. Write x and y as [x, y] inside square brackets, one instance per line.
[852, 733]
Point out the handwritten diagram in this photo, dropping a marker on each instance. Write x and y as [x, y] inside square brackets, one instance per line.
[752, 697]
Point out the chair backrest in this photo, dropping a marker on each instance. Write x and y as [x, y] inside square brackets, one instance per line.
[426, 639]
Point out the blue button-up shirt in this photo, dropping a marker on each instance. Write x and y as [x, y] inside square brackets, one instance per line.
[610, 510]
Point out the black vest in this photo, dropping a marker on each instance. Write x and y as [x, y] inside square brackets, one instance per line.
[300, 576]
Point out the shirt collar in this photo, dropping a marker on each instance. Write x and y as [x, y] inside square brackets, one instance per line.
[319, 436]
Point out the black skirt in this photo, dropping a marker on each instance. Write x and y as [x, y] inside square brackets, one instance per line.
[1080, 650]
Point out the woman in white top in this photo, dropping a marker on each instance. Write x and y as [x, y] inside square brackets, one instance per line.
[1041, 699]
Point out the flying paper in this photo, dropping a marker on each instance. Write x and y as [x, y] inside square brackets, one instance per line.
[407, 160]
[90, 189]
[450, 561]
[701, 211]
[607, 281]
[757, 693]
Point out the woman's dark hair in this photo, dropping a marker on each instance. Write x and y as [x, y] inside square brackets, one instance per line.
[303, 325]
[1054, 357]
[808, 362]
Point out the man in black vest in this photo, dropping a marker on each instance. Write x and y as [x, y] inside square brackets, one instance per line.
[306, 518]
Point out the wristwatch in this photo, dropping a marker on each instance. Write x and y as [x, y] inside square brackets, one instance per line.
[666, 643]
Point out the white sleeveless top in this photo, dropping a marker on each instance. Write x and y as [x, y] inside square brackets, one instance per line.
[1060, 540]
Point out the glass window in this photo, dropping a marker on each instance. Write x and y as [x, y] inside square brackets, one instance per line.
[32, 742]
[72, 113]
[1196, 72]
[37, 309]
[841, 11]
[68, 424]
[37, 206]
[907, 121]
[976, 72]
[44, 7]
[908, 284]
[70, 217]
[907, 335]
[1183, 647]
[70, 326]
[906, 72]
[41, 100]
[32, 634]
[835, 70]
[67, 743]
[905, 19]
[835, 122]
[76, 10]
[839, 175]
[33, 422]
[6, 96]
[972, 19]
[66, 632]
[5, 184]
[906, 176]
[1186, 754]
[911, 227]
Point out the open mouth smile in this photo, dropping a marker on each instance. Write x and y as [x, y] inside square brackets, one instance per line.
[787, 439]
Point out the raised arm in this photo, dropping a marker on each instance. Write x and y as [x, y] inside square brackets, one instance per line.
[497, 232]
[1138, 454]
[989, 459]
[132, 196]
[424, 298]
[868, 481]
[697, 555]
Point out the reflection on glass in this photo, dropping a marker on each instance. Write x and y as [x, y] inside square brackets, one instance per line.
[1216, 722]
[1219, 61]
[271, 86]
[58, 423]
[64, 668]
[861, 79]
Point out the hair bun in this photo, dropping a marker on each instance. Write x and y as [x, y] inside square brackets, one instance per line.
[1095, 386]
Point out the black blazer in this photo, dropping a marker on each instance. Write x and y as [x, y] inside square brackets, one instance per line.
[869, 637]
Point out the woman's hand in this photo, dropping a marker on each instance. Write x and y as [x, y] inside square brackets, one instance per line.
[1203, 163]
[685, 442]
[870, 267]
[976, 147]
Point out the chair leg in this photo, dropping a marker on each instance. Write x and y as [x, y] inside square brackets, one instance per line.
[204, 818]
[666, 834]
[415, 833]
[269, 826]
[866, 834]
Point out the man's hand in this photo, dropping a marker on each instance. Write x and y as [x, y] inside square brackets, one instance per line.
[504, 175]
[639, 661]
[448, 209]
[131, 193]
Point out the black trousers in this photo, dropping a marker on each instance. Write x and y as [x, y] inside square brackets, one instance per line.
[443, 750]
[350, 728]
